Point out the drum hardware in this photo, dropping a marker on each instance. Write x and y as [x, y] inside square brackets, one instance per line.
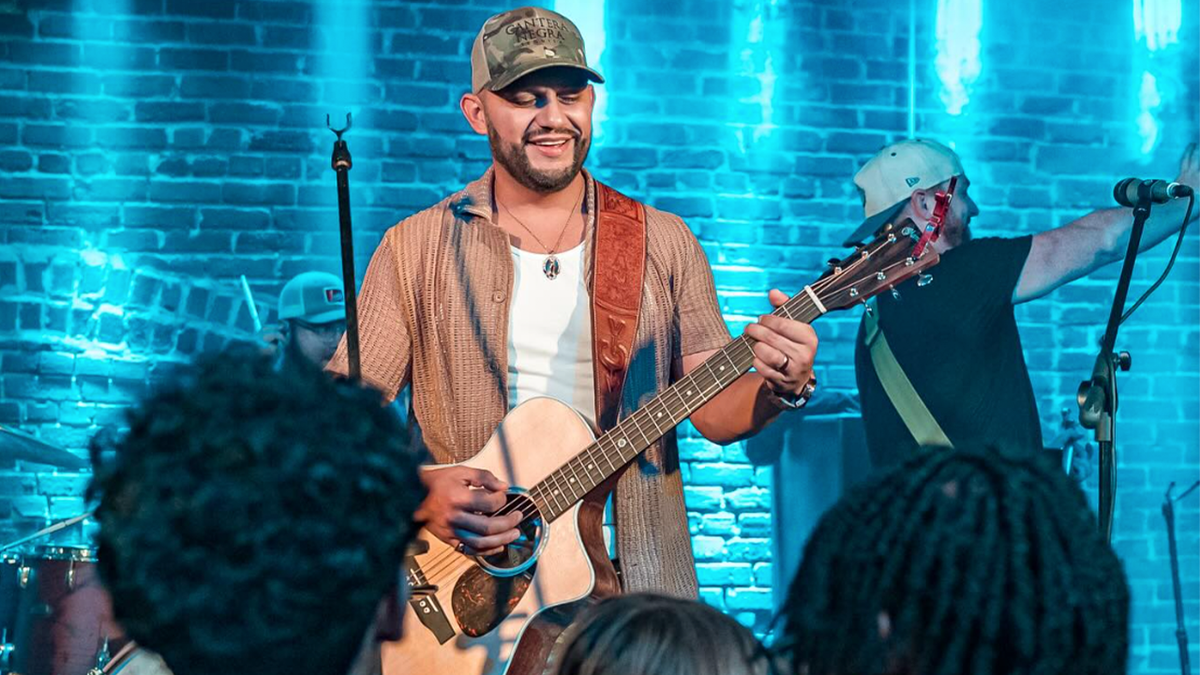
[20, 445]
[61, 525]
[6, 649]
[102, 659]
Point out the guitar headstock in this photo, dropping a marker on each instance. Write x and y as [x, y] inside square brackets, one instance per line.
[886, 262]
[894, 256]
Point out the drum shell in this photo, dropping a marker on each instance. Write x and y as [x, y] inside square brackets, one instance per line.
[65, 618]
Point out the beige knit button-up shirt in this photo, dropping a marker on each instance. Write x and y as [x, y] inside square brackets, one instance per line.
[434, 311]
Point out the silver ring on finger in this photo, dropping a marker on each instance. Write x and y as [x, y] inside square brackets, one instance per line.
[460, 547]
[783, 366]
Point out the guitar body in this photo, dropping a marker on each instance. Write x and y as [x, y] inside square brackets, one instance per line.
[532, 609]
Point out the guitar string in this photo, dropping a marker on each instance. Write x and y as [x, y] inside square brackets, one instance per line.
[818, 286]
[435, 574]
[436, 566]
[510, 506]
[437, 571]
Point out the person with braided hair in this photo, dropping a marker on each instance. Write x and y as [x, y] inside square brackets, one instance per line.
[959, 561]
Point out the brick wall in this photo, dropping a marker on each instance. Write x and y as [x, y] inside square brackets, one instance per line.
[151, 151]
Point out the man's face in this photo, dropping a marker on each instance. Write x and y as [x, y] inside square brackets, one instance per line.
[957, 228]
[958, 217]
[316, 342]
[540, 127]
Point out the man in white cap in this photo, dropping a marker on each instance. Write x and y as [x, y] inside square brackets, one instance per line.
[312, 308]
[942, 364]
[488, 299]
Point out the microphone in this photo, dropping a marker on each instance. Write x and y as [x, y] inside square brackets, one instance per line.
[1132, 190]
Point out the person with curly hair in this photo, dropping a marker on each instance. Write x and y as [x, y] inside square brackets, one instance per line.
[959, 561]
[255, 520]
[653, 634]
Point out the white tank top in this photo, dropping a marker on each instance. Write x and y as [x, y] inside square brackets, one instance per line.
[550, 341]
[550, 333]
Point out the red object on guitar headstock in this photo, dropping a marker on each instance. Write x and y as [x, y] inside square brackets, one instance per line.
[880, 265]
[938, 220]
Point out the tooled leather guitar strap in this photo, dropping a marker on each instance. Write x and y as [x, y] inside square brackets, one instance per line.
[619, 262]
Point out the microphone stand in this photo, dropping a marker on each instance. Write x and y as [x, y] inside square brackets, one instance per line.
[1098, 396]
[342, 165]
[1168, 511]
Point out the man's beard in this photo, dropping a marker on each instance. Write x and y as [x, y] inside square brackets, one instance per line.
[961, 235]
[512, 157]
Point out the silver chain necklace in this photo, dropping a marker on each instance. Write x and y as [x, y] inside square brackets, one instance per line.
[550, 266]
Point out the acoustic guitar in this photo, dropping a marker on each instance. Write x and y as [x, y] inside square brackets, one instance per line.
[488, 615]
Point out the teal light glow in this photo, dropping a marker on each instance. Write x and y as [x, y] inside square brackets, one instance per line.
[1155, 26]
[1147, 122]
[959, 23]
[757, 28]
[589, 17]
[344, 60]
[1156, 22]
[912, 68]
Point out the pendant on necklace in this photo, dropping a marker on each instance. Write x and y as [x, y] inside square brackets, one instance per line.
[550, 267]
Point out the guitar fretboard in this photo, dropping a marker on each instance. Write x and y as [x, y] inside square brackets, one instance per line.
[591, 467]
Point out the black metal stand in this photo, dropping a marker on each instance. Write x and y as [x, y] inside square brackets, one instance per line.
[342, 165]
[1098, 396]
[1168, 510]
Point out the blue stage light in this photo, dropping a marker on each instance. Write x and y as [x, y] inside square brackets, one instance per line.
[1157, 22]
[1156, 26]
[756, 27]
[589, 16]
[343, 64]
[958, 60]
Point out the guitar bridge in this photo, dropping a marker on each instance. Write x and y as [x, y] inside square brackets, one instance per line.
[426, 605]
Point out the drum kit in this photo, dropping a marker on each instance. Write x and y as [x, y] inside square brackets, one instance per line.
[55, 616]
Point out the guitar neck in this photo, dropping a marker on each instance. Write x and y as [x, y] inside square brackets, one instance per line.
[614, 449]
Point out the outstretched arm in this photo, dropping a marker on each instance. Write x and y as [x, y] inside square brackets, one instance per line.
[1064, 254]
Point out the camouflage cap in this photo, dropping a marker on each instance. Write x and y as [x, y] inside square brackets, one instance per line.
[515, 43]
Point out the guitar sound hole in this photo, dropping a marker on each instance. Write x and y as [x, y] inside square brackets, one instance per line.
[523, 552]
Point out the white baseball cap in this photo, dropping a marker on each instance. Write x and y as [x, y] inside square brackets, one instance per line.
[889, 178]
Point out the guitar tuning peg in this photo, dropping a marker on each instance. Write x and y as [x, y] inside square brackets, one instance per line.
[896, 295]
[924, 280]
[867, 306]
